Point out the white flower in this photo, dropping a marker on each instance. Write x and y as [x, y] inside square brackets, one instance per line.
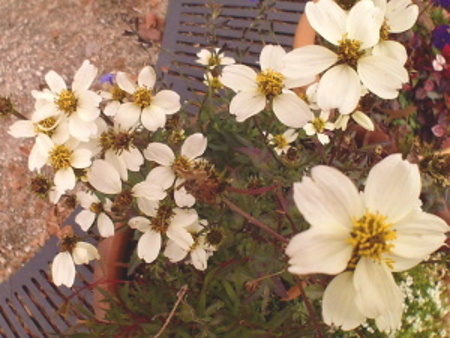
[353, 34]
[62, 157]
[272, 84]
[358, 116]
[148, 108]
[318, 125]
[281, 142]
[164, 221]
[173, 167]
[94, 209]
[199, 251]
[63, 266]
[79, 104]
[368, 235]
[213, 59]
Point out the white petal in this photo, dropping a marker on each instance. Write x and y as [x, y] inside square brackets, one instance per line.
[133, 159]
[401, 15]
[239, 77]
[22, 128]
[45, 111]
[112, 108]
[161, 175]
[194, 146]
[81, 158]
[309, 61]
[183, 217]
[105, 225]
[168, 101]
[363, 23]
[147, 207]
[291, 110]
[382, 75]
[199, 259]
[159, 153]
[147, 77]
[419, 235]
[363, 120]
[174, 252]
[391, 49]
[328, 19]
[328, 199]
[338, 305]
[339, 88]
[392, 188]
[323, 138]
[124, 82]
[85, 219]
[150, 191]
[153, 118]
[182, 198]
[127, 115]
[318, 251]
[247, 104]
[271, 57]
[118, 163]
[180, 236]
[376, 292]
[80, 129]
[140, 223]
[88, 101]
[84, 76]
[103, 177]
[63, 269]
[149, 246]
[55, 82]
[84, 252]
[65, 179]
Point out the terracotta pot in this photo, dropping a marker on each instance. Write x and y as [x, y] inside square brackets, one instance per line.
[109, 269]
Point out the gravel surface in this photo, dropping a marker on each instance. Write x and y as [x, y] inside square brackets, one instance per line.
[38, 36]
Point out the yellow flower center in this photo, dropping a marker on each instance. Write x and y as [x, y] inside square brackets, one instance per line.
[96, 208]
[370, 237]
[67, 102]
[213, 61]
[319, 124]
[60, 157]
[384, 31]
[270, 83]
[349, 51]
[142, 97]
[181, 166]
[279, 141]
[68, 243]
[45, 126]
[117, 93]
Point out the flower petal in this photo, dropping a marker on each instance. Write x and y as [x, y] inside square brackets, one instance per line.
[161, 175]
[85, 219]
[339, 88]
[159, 153]
[140, 223]
[271, 57]
[105, 225]
[65, 179]
[104, 177]
[392, 188]
[291, 110]
[153, 118]
[84, 252]
[63, 269]
[81, 158]
[401, 15]
[124, 82]
[391, 49]
[55, 82]
[147, 77]
[194, 146]
[149, 246]
[327, 19]
[319, 251]
[174, 252]
[199, 259]
[239, 77]
[363, 23]
[84, 76]
[247, 104]
[309, 61]
[127, 115]
[338, 305]
[376, 292]
[168, 101]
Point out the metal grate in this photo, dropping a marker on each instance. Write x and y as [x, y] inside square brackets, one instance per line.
[30, 305]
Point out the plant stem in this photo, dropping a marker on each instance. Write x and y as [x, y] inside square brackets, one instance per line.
[180, 295]
[253, 220]
[310, 308]
[282, 203]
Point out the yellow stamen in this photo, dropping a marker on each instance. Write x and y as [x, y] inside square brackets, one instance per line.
[67, 102]
[142, 97]
[270, 83]
[349, 51]
[60, 157]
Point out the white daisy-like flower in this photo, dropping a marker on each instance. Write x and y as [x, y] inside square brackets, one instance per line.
[318, 125]
[282, 142]
[213, 59]
[399, 16]
[104, 177]
[148, 108]
[272, 84]
[74, 252]
[358, 116]
[171, 167]
[78, 104]
[353, 34]
[199, 251]
[62, 157]
[94, 210]
[114, 96]
[164, 221]
[363, 237]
